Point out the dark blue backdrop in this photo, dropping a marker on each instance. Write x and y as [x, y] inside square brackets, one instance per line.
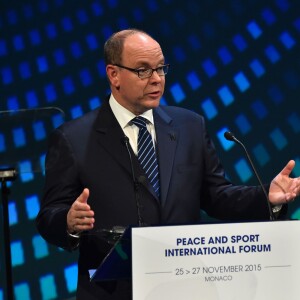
[235, 62]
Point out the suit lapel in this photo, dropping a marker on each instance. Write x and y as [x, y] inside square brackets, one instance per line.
[111, 136]
[167, 138]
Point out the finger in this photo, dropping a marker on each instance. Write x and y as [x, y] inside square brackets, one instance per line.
[81, 201]
[288, 168]
[81, 214]
[84, 196]
[82, 224]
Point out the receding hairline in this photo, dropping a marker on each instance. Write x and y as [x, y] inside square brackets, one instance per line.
[123, 34]
[113, 47]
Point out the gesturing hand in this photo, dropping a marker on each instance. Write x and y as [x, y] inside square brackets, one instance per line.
[283, 188]
[80, 216]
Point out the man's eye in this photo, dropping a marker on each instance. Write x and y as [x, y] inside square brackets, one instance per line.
[143, 71]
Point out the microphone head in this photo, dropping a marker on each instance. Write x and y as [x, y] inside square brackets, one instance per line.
[229, 136]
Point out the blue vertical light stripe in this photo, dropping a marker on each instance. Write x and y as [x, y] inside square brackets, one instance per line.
[268, 16]
[287, 40]
[278, 138]
[193, 80]
[25, 170]
[19, 137]
[17, 253]
[40, 247]
[254, 29]
[225, 55]
[209, 68]
[32, 206]
[35, 37]
[239, 42]
[257, 68]
[243, 170]
[13, 103]
[101, 68]
[261, 154]
[194, 41]
[48, 287]
[22, 291]
[31, 98]
[50, 92]
[243, 124]
[24, 70]
[27, 11]
[179, 54]
[209, 108]
[51, 31]
[12, 213]
[226, 95]
[42, 163]
[3, 48]
[241, 81]
[177, 92]
[97, 9]
[67, 24]
[92, 41]
[293, 120]
[94, 103]
[39, 130]
[59, 57]
[68, 85]
[272, 54]
[11, 16]
[85, 77]
[6, 75]
[275, 94]
[259, 109]
[283, 5]
[70, 273]
[57, 120]
[76, 111]
[18, 42]
[76, 50]
[82, 16]
[42, 64]
[2, 143]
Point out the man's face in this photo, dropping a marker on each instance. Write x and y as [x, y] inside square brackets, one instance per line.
[136, 94]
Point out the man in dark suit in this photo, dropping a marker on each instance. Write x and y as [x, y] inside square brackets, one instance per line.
[91, 167]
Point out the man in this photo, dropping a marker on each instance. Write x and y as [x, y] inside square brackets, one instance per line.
[91, 167]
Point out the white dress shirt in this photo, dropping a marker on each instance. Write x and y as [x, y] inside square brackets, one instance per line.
[124, 117]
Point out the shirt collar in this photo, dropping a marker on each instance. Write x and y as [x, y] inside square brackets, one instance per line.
[124, 116]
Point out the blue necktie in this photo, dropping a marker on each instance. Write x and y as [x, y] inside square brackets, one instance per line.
[146, 154]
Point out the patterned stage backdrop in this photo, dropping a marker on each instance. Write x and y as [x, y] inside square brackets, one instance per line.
[235, 62]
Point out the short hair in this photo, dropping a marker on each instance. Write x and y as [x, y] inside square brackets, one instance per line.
[113, 47]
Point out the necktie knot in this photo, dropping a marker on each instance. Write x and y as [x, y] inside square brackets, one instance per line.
[140, 122]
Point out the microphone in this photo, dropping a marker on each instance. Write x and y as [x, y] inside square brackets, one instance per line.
[230, 137]
[136, 182]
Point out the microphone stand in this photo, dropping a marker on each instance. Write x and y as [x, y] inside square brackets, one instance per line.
[7, 175]
[229, 136]
[136, 184]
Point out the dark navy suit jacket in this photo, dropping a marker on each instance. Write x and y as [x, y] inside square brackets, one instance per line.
[90, 152]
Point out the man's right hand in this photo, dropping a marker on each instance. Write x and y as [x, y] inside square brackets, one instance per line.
[80, 216]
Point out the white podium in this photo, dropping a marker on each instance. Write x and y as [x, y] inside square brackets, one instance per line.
[236, 261]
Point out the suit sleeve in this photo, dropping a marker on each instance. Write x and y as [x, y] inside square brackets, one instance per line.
[62, 187]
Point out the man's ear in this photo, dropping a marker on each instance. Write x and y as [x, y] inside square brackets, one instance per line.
[113, 75]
